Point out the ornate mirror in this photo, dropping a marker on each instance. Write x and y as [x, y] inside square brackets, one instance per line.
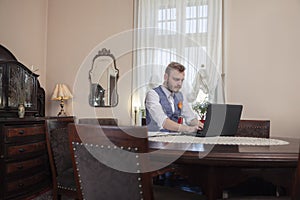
[103, 77]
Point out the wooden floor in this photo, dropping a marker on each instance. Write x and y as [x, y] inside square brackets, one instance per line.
[183, 185]
[48, 196]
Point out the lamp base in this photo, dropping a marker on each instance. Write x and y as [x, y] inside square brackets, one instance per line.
[62, 112]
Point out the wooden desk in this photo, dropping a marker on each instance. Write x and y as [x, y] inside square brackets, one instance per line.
[216, 167]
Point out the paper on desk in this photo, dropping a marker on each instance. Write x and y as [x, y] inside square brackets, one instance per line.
[158, 133]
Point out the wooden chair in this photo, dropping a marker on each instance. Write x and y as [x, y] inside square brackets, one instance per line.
[254, 128]
[108, 165]
[60, 158]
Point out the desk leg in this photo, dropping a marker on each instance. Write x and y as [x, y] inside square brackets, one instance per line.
[205, 177]
[211, 189]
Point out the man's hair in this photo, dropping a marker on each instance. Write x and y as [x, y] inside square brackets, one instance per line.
[176, 66]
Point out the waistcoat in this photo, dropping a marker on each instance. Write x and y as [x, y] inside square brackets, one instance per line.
[163, 100]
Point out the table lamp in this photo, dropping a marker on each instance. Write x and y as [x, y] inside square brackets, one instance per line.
[61, 93]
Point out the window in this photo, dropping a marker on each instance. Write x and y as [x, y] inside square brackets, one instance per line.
[167, 19]
[196, 19]
[185, 31]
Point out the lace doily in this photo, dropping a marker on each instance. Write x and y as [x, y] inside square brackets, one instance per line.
[227, 140]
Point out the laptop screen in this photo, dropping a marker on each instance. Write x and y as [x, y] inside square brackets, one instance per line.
[221, 120]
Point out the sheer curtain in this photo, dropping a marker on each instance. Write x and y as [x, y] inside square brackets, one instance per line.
[184, 31]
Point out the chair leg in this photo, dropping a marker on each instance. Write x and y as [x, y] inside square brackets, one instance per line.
[54, 194]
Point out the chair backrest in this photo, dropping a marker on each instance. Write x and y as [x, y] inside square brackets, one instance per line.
[58, 146]
[107, 162]
[99, 121]
[254, 128]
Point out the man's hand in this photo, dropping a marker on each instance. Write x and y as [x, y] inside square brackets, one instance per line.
[188, 129]
[196, 122]
[194, 126]
[197, 125]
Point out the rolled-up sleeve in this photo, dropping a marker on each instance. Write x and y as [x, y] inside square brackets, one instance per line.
[155, 109]
[187, 112]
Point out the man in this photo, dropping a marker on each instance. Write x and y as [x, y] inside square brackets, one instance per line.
[166, 105]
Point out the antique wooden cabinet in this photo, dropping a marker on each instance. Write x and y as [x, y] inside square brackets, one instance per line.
[19, 85]
[24, 161]
[24, 167]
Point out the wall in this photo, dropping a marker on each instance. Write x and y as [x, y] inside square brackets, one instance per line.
[262, 61]
[23, 30]
[76, 28]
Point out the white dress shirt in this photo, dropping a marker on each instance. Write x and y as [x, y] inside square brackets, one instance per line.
[157, 112]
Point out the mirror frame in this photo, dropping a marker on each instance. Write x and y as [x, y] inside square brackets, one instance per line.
[103, 52]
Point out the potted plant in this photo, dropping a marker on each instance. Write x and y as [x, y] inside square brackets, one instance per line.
[200, 108]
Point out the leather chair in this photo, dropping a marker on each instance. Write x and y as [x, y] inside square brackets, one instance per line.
[60, 158]
[99, 180]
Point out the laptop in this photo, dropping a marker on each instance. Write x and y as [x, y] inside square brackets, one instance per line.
[221, 120]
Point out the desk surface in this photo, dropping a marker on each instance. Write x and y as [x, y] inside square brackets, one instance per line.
[206, 153]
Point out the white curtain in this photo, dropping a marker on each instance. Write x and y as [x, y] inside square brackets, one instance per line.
[184, 31]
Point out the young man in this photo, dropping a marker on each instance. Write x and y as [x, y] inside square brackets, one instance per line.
[166, 105]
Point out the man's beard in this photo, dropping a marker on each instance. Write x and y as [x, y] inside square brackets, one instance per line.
[171, 89]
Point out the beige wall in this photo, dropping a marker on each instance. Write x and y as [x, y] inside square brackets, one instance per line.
[261, 37]
[75, 28]
[23, 30]
[262, 60]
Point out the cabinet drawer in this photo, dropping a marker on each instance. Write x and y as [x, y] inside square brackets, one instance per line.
[17, 167]
[21, 184]
[12, 132]
[25, 149]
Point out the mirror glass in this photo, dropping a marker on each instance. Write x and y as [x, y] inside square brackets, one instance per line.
[103, 77]
[21, 88]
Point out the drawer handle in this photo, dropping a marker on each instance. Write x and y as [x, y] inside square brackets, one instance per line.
[21, 150]
[20, 167]
[21, 132]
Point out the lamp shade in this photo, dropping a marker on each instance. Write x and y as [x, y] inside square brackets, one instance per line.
[61, 92]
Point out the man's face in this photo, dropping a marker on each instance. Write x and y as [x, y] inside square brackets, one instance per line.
[174, 80]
